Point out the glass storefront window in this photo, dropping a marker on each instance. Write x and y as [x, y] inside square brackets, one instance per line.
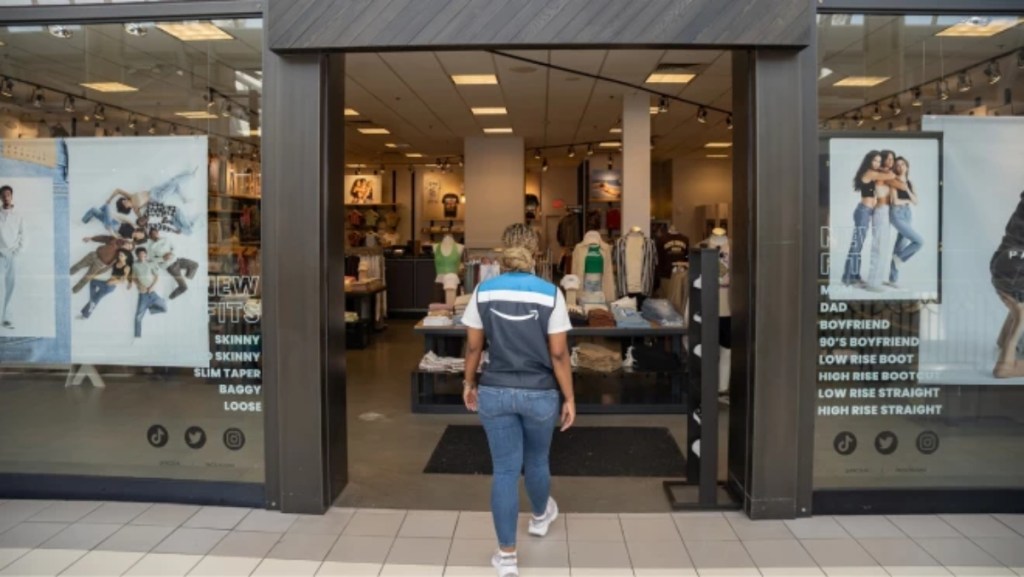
[919, 370]
[130, 251]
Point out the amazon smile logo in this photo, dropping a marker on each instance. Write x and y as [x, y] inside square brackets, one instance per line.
[533, 315]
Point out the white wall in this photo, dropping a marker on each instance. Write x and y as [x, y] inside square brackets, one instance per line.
[495, 182]
[695, 182]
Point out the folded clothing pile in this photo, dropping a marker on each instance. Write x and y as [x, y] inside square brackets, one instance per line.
[600, 318]
[461, 302]
[437, 364]
[577, 317]
[351, 317]
[595, 358]
[438, 315]
[662, 312]
[629, 318]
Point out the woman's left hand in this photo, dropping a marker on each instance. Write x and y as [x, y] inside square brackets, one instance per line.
[469, 397]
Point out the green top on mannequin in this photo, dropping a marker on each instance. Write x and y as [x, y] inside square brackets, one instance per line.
[447, 263]
[594, 263]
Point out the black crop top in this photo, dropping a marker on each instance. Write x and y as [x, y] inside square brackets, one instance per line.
[902, 194]
[118, 271]
[867, 189]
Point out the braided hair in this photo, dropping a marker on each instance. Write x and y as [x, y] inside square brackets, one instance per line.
[521, 243]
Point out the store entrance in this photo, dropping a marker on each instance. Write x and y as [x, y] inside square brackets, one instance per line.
[621, 162]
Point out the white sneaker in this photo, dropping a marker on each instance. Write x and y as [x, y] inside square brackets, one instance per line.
[507, 565]
[539, 527]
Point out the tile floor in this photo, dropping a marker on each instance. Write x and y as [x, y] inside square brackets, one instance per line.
[105, 539]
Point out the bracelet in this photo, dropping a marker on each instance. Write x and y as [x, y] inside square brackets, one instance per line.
[469, 385]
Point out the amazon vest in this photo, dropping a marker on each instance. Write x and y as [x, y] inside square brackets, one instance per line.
[515, 309]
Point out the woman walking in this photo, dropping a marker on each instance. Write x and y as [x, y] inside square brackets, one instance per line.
[525, 322]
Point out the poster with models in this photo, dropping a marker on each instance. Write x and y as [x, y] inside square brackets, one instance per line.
[33, 252]
[138, 251]
[974, 336]
[605, 185]
[884, 198]
[362, 189]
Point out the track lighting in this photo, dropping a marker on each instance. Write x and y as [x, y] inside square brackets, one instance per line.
[544, 165]
[895, 106]
[590, 150]
[100, 112]
[611, 162]
[60, 31]
[572, 152]
[536, 154]
[69, 103]
[916, 93]
[876, 114]
[702, 115]
[858, 118]
[728, 122]
[152, 128]
[135, 29]
[37, 98]
[7, 87]
[227, 110]
[942, 89]
[131, 121]
[210, 100]
[174, 130]
[964, 82]
[993, 73]
[662, 105]
[462, 161]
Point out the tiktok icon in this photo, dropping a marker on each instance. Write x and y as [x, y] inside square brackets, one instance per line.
[157, 436]
[845, 443]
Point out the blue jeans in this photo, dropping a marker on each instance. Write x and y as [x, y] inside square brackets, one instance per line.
[102, 214]
[908, 241]
[519, 425]
[880, 228]
[861, 223]
[97, 290]
[151, 303]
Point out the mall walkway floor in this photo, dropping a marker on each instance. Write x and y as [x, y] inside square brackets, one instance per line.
[92, 538]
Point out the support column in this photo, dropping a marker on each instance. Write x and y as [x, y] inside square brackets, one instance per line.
[636, 161]
[773, 276]
[495, 185]
[303, 299]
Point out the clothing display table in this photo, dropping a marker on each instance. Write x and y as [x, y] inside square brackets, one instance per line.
[625, 391]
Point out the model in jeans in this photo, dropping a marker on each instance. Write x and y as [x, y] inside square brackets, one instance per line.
[162, 253]
[1007, 268]
[525, 321]
[101, 259]
[881, 227]
[908, 241]
[110, 219]
[869, 172]
[155, 204]
[120, 272]
[12, 242]
[146, 274]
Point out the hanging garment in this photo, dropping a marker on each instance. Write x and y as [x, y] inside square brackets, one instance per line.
[579, 255]
[569, 234]
[635, 259]
[672, 248]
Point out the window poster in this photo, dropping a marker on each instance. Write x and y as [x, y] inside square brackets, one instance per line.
[363, 189]
[137, 243]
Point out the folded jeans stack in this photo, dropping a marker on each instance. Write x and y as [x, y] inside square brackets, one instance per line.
[461, 302]
[596, 358]
[661, 312]
[629, 318]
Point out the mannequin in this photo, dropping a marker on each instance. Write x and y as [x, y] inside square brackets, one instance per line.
[673, 258]
[719, 240]
[571, 284]
[450, 282]
[447, 257]
[594, 246]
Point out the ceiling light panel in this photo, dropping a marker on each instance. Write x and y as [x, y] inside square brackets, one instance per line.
[196, 114]
[372, 130]
[669, 78]
[194, 31]
[861, 81]
[718, 145]
[501, 130]
[413, 155]
[351, 112]
[610, 144]
[489, 111]
[474, 79]
[109, 87]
